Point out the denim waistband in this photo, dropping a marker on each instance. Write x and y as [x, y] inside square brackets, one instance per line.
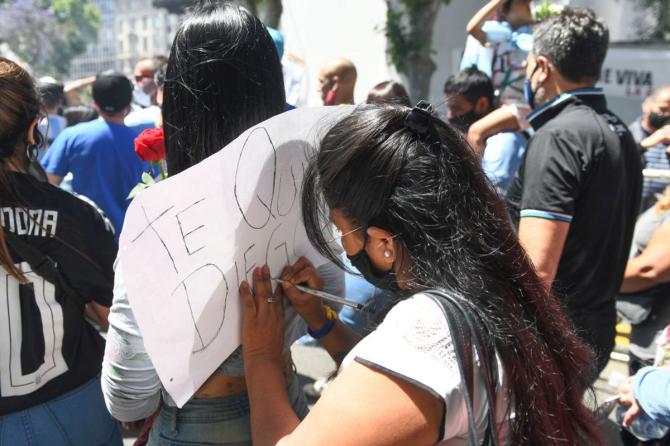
[209, 410]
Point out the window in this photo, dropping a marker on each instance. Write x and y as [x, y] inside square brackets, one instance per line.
[132, 41]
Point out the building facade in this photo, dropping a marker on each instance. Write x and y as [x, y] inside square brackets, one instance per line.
[141, 31]
[130, 30]
[100, 55]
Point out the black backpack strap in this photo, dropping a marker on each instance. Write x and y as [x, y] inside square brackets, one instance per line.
[43, 265]
[467, 335]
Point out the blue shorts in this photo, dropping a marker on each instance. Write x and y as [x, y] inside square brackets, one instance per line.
[77, 418]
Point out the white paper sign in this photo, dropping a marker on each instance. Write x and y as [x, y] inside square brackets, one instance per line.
[189, 241]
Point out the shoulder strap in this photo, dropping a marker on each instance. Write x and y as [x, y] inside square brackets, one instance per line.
[42, 265]
[466, 332]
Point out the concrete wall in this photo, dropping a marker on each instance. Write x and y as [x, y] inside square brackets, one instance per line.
[624, 17]
[317, 31]
[320, 30]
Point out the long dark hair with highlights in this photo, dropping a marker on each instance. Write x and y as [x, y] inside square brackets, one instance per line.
[19, 107]
[223, 76]
[456, 233]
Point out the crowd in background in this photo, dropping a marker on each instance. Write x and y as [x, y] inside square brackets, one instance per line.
[524, 118]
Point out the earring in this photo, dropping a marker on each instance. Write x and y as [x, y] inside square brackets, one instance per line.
[387, 254]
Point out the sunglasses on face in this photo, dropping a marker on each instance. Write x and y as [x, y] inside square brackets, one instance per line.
[139, 77]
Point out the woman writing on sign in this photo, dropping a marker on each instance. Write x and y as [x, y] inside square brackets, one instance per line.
[223, 77]
[417, 216]
[56, 253]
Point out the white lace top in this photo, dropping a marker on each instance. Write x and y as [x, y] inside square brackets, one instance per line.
[414, 343]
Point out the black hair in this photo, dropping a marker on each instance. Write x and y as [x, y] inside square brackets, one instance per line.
[159, 75]
[77, 114]
[575, 41]
[389, 92]
[223, 77]
[472, 84]
[455, 231]
[51, 94]
[19, 108]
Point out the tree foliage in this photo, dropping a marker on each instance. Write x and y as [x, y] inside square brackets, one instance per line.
[48, 34]
[660, 9]
[272, 9]
[180, 6]
[173, 6]
[409, 32]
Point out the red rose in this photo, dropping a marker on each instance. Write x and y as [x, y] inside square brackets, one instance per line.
[150, 145]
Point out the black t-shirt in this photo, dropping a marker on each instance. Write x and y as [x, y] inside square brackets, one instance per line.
[47, 348]
[582, 167]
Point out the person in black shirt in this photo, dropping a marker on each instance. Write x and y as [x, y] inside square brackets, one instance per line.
[56, 254]
[576, 195]
[651, 131]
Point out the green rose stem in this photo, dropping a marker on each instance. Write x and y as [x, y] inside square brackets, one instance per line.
[161, 168]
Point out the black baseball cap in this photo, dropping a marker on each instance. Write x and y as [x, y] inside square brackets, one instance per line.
[112, 91]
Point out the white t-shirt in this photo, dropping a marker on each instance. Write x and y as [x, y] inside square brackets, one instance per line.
[414, 344]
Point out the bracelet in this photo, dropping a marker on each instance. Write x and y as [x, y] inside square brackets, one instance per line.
[331, 318]
[330, 323]
[330, 313]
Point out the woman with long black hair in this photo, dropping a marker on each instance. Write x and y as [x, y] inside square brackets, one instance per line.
[223, 77]
[56, 256]
[417, 216]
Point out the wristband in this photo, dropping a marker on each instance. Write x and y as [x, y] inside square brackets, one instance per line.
[331, 318]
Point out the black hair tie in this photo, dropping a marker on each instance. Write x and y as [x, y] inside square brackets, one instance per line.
[420, 120]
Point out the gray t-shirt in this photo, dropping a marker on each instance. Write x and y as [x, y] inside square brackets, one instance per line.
[643, 335]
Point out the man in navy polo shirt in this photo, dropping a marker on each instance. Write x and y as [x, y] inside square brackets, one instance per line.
[576, 195]
[101, 153]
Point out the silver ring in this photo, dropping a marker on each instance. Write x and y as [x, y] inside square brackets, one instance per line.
[271, 300]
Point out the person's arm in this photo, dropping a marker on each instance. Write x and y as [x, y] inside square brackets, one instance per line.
[56, 162]
[130, 384]
[651, 387]
[73, 89]
[543, 239]
[660, 136]
[552, 176]
[474, 26]
[652, 266]
[97, 313]
[497, 121]
[408, 415]
[648, 391]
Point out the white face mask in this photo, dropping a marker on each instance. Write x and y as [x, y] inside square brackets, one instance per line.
[140, 97]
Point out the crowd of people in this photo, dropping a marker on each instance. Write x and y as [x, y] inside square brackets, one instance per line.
[499, 244]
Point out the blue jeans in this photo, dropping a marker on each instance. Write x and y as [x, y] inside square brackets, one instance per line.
[214, 421]
[77, 418]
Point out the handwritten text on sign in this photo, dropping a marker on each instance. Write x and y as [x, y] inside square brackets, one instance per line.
[188, 242]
